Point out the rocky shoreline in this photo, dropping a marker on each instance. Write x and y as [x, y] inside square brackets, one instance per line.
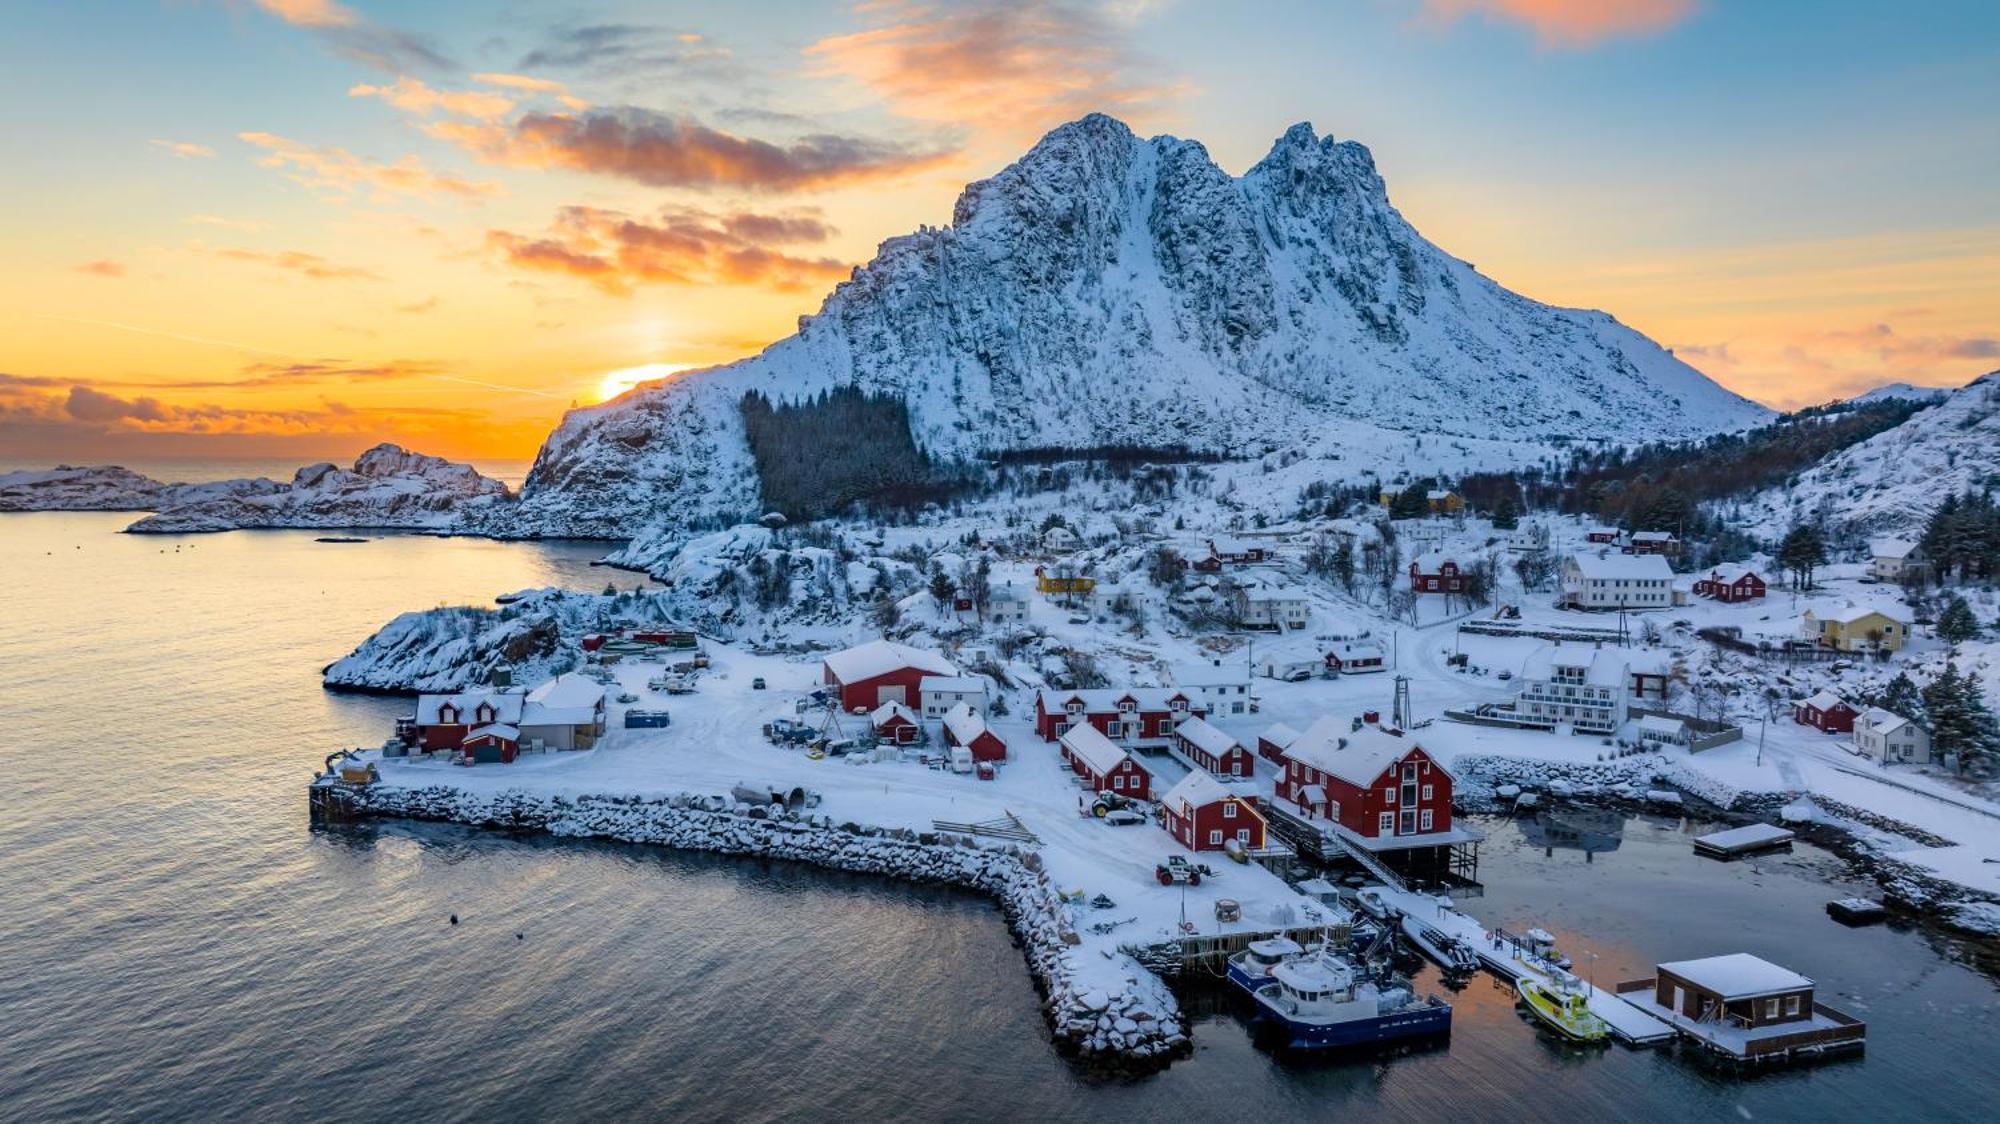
[1136, 1026]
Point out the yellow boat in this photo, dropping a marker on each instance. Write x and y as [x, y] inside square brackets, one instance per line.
[1563, 1010]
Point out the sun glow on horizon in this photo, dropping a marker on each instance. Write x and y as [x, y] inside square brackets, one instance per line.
[611, 384]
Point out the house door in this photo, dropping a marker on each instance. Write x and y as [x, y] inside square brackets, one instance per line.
[1680, 999]
[1409, 826]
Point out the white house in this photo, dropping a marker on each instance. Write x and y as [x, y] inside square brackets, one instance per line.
[1583, 688]
[1603, 580]
[1660, 731]
[1059, 538]
[1007, 605]
[1889, 738]
[939, 693]
[1267, 606]
[566, 712]
[1893, 560]
[1223, 688]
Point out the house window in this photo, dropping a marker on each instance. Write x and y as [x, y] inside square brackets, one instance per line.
[1427, 819]
[1243, 835]
[1117, 782]
[1215, 839]
[1389, 795]
[1791, 1005]
[1387, 824]
[1770, 1008]
[1427, 793]
[1409, 824]
[1229, 811]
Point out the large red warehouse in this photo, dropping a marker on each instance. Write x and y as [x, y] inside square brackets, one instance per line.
[868, 675]
[1373, 782]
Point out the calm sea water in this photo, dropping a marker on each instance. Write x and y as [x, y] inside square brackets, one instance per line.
[176, 944]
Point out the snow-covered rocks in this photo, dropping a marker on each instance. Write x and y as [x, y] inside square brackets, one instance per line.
[1134, 1023]
[1161, 302]
[388, 487]
[111, 488]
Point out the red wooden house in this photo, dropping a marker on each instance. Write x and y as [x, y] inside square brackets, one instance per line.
[895, 723]
[868, 675]
[491, 745]
[1730, 583]
[1375, 783]
[1826, 712]
[442, 722]
[1103, 766]
[1435, 573]
[1601, 535]
[1204, 816]
[1236, 552]
[1653, 542]
[963, 726]
[1272, 743]
[1120, 713]
[1352, 657]
[1214, 750]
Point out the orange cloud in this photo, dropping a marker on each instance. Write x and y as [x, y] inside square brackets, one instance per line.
[413, 95]
[342, 174]
[662, 151]
[102, 267]
[1019, 67]
[302, 263]
[310, 13]
[533, 86]
[1804, 368]
[617, 252]
[347, 33]
[1570, 23]
[183, 149]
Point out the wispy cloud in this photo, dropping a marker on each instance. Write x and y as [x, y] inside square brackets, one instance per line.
[617, 252]
[102, 267]
[661, 151]
[186, 150]
[1008, 67]
[348, 33]
[301, 263]
[341, 174]
[529, 85]
[414, 95]
[628, 51]
[1569, 23]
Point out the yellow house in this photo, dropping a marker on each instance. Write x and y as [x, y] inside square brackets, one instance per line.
[1856, 630]
[1063, 578]
[1442, 501]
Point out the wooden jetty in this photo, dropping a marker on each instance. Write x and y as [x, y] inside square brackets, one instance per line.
[1744, 1009]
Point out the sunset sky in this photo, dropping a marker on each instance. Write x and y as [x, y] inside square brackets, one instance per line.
[297, 227]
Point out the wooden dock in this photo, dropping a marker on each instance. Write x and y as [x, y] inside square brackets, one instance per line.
[1739, 842]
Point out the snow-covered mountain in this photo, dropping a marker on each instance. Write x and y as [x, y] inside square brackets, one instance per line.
[1892, 481]
[110, 487]
[1900, 391]
[1111, 290]
[389, 486]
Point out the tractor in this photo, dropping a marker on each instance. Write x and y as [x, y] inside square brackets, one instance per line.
[1177, 870]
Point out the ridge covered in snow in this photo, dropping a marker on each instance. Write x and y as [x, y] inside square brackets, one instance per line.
[110, 487]
[389, 487]
[1892, 481]
[1109, 290]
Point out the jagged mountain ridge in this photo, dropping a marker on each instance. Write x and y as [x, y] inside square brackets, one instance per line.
[1109, 290]
[1892, 482]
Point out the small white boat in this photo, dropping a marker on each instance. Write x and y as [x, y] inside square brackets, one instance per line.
[1251, 968]
[1540, 944]
[1374, 901]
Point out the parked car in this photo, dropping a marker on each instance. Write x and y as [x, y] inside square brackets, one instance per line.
[757, 684]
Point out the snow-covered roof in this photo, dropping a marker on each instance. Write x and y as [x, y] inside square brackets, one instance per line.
[1355, 756]
[1279, 735]
[1652, 536]
[1729, 573]
[1439, 494]
[1430, 561]
[1208, 674]
[1602, 667]
[956, 684]
[1195, 790]
[964, 723]
[1205, 736]
[1599, 566]
[879, 657]
[1103, 700]
[1006, 593]
[1738, 975]
[566, 700]
[1882, 721]
[882, 715]
[1851, 613]
[506, 703]
[1660, 724]
[1649, 661]
[1351, 650]
[1088, 744]
[500, 731]
[1824, 700]
[1222, 544]
[1271, 593]
[1891, 548]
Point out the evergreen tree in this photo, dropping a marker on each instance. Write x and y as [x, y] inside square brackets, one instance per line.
[1343, 564]
[1507, 516]
[1413, 502]
[1802, 552]
[1957, 624]
[1900, 696]
[942, 588]
[1960, 722]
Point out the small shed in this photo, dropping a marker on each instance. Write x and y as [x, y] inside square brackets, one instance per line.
[1826, 712]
